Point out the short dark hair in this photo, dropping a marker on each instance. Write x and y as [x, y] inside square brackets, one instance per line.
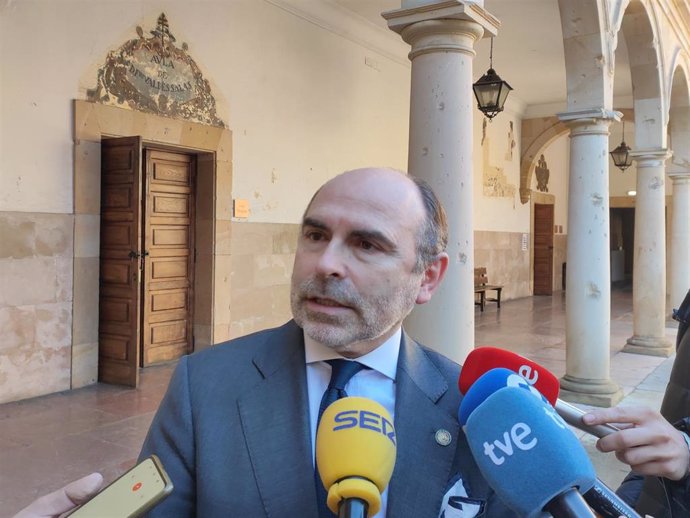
[432, 238]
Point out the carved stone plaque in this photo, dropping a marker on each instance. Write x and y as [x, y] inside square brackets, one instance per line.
[154, 75]
[542, 173]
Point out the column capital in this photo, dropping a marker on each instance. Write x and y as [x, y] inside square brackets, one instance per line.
[433, 36]
[678, 172]
[650, 157]
[592, 115]
[679, 177]
[400, 19]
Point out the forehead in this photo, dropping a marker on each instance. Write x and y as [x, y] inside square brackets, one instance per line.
[386, 201]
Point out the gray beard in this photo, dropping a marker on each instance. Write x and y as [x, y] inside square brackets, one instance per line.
[368, 320]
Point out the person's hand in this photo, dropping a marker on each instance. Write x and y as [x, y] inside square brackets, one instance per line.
[63, 500]
[647, 441]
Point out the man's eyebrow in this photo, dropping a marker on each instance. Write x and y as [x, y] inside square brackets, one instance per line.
[375, 235]
[364, 234]
[311, 222]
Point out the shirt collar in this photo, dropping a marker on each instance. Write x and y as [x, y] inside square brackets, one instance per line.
[383, 359]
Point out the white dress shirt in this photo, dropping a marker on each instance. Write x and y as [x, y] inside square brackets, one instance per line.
[377, 382]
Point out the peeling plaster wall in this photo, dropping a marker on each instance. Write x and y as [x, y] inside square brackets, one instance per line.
[496, 150]
[557, 156]
[500, 219]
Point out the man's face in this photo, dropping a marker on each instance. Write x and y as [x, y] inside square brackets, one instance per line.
[353, 280]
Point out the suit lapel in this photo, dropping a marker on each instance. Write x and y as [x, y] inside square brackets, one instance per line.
[423, 467]
[275, 421]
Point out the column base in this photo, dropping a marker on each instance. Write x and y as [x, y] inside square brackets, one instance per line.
[602, 393]
[651, 346]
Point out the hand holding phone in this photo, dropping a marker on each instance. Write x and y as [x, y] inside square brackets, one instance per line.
[131, 495]
[64, 499]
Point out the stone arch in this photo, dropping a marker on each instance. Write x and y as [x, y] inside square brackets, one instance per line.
[679, 111]
[646, 69]
[678, 172]
[588, 54]
[536, 135]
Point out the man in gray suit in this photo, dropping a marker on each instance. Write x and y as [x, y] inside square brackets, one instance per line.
[236, 428]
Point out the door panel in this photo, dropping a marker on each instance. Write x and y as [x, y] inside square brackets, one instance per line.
[543, 249]
[120, 298]
[169, 265]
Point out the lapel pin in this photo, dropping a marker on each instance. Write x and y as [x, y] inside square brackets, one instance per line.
[443, 437]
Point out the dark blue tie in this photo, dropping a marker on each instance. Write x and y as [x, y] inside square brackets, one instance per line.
[342, 371]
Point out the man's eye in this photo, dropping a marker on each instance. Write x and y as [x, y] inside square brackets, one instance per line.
[367, 245]
[314, 236]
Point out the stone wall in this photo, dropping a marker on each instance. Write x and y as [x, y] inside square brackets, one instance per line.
[35, 303]
[36, 292]
[505, 261]
[262, 258]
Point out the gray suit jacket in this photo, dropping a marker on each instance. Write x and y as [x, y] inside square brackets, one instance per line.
[233, 433]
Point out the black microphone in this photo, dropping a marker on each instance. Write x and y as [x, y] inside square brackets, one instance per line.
[607, 503]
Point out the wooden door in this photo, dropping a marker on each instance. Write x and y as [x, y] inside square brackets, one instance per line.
[119, 283]
[543, 249]
[169, 256]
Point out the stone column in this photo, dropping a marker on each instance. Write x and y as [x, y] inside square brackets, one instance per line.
[649, 266]
[588, 276]
[679, 279]
[440, 151]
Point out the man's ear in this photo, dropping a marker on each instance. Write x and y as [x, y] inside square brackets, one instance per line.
[433, 275]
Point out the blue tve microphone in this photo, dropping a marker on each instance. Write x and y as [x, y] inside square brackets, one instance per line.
[600, 497]
[488, 383]
[528, 455]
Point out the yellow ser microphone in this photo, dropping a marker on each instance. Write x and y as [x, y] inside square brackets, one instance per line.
[355, 453]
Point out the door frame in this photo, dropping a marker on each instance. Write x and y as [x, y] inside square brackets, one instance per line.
[538, 198]
[213, 147]
[125, 369]
[546, 281]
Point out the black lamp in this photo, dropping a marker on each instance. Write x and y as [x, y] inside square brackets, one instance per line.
[490, 90]
[621, 155]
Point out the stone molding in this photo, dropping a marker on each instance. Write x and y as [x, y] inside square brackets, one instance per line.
[679, 177]
[589, 115]
[442, 36]
[400, 19]
[651, 157]
[603, 393]
[337, 19]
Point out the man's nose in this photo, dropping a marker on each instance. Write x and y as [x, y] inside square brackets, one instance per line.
[332, 261]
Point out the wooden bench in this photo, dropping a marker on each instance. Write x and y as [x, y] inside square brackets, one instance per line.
[481, 286]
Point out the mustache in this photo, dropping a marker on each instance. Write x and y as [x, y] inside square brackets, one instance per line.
[329, 288]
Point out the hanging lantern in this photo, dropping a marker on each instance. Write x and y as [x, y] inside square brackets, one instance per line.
[490, 90]
[621, 155]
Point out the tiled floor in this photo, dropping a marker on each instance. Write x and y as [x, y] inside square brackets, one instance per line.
[48, 441]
